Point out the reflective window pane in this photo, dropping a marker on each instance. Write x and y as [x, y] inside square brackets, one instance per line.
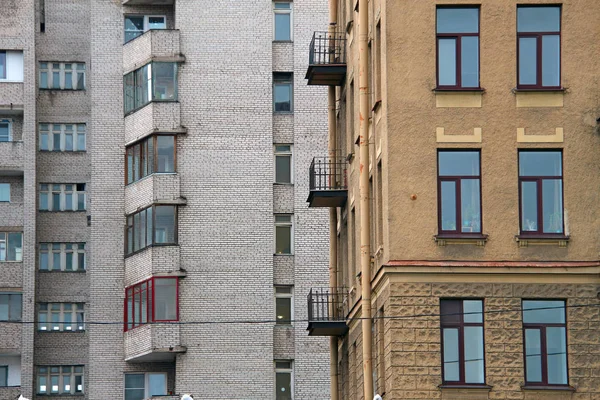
[451, 361]
[470, 61]
[543, 312]
[470, 205]
[538, 19]
[457, 20]
[556, 346]
[166, 153]
[283, 97]
[448, 200]
[165, 299]
[474, 354]
[473, 311]
[529, 216]
[283, 310]
[551, 60]
[540, 163]
[283, 239]
[157, 384]
[447, 62]
[283, 26]
[527, 61]
[552, 206]
[533, 357]
[164, 219]
[458, 163]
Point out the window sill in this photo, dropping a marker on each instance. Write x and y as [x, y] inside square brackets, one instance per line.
[128, 113]
[549, 388]
[45, 271]
[458, 90]
[539, 90]
[51, 331]
[462, 387]
[61, 90]
[283, 113]
[62, 211]
[542, 240]
[283, 41]
[149, 176]
[283, 184]
[10, 261]
[282, 254]
[446, 239]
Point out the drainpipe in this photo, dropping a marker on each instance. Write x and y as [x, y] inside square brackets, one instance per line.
[333, 270]
[365, 211]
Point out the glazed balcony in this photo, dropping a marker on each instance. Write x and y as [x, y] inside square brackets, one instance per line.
[327, 59]
[153, 45]
[327, 312]
[328, 182]
[148, 2]
[157, 342]
[11, 158]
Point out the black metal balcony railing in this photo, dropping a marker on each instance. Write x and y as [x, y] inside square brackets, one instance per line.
[326, 304]
[327, 48]
[328, 173]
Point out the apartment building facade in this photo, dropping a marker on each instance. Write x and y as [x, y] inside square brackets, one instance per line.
[463, 176]
[154, 234]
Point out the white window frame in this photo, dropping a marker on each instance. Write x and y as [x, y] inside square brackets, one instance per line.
[4, 184]
[62, 130]
[289, 11]
[289, 370]
[284, 292]
[147, 383]
[50, 67]
[9, 122]
[146, 26]
[284, 153]
[4, 248]
[288, 81]
[13, 66]
[61, 309]
[282, 223]
[76, 370]
[63, 189]
[49, 249]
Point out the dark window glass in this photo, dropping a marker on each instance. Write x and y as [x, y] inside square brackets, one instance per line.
[10, 307]
[153, 225]
[459, 185]
[538, 30]
[462, 341]
[153, 154]
[2, 64]
[541, 191]
[155, 81]
[282, 91]
[458, 47]
[545, 342]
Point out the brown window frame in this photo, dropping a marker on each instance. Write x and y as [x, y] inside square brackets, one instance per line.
[461, 340]
[130, 225]
[539, 60]
[458, 37]
[540, 196]
[458, 184]
[544, 345]
[143, 152]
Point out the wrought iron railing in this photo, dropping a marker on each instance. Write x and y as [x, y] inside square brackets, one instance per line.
[327, 48]
[327, 304]
[328, 173]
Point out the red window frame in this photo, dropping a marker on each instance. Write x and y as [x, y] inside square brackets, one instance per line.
[149, 292]
[458, 185]
[539, 36]
[458, 37]
[461, 340]
[544, 345]
[540, 197]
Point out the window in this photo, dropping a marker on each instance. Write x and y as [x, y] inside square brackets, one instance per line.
[283, 21]
[156, 81]
[459, 192]
[136, 25]
[4, 192]
[67, 257]
[283, 305]
[458, 47]
[284, 234]
[282, 91]
[156, 225]
[62, 76]
[5, 130]
[283, 163]
[284, 380]
[3, 375]
[11, 246]
[10, 306]
[545, 338]
[143, 386]
[541, 192]
[62, 197]
[62, 137]
[62, 317]
[60, 379]
[538, 47]
[462, 342]
[11, 65]
[154, 300]
[155, 154]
